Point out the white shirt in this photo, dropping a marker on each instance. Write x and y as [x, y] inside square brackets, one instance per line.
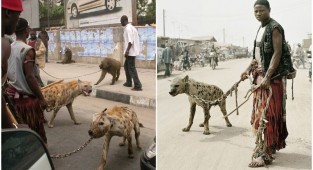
[258, 40]
[131, 36]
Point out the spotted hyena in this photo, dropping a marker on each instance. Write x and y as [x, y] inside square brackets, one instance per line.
[199, 90]
[116, 121]
[62, 94]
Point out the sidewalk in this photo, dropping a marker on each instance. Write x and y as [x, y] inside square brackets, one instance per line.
[117, 92]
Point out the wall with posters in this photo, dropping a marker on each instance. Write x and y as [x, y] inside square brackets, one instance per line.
[87, 13]
[92, 45]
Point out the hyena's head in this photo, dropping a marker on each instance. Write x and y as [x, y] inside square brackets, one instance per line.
[85, 87]
[178, 86]
[100, 125]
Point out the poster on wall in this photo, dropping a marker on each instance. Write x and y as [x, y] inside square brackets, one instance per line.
[86, 13]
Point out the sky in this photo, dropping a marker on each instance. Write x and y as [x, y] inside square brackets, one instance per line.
[186, 19]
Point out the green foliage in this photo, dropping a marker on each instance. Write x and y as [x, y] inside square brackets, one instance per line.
[146, 12]
[53, 11]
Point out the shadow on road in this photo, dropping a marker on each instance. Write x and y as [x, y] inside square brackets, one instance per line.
[220, 133]
[292, 160]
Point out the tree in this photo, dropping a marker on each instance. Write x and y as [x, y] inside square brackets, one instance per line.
[146, 11]
[52, 10]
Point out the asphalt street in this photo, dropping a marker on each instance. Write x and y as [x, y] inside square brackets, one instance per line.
[228, 148]
[66, 137]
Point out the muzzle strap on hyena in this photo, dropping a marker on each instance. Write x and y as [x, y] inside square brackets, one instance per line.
[202, 91]
[116, 121]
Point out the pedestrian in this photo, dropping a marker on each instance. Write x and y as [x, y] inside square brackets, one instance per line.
[23, 89]
[167, 57]
[267, 68]
[299, 53]
[131, 50]
[43, 35]
[186, 62]
[40, 49]
[11, 10]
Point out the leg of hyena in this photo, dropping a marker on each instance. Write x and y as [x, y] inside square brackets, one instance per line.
[222, 106]
[191, 116]
[130, 146]
[55, 111]
[122, 143]
[70, 111]
[105, 149]
[207, 116]
[137, 134]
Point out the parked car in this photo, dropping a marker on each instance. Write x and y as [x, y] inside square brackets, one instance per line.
[74, 7]
[148, 157]
[23, 149]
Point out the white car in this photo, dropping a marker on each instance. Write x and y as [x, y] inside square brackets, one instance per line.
[75, 7]
[22, 148]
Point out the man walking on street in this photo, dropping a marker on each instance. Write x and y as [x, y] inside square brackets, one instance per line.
[40, 49]
[268, 68]
[43, 35]
[167, 57]
[299, 53]
[23, 89]
[131, 50]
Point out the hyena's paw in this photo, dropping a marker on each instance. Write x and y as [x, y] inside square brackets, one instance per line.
[186, 129]
[77, 123]
[206, 132]
[201, 125]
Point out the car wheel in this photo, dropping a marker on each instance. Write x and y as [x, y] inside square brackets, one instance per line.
[110, 4]
[74, 11]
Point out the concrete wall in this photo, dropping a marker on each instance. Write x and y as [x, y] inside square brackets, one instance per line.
[92, 45]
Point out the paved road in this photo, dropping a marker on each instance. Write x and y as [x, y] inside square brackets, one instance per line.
[66, 136]
[228, 147]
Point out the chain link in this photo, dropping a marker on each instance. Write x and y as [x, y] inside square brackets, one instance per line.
[58, 156]
[70, 77]
[217, 101]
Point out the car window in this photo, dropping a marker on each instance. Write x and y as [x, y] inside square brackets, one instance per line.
[20, 150]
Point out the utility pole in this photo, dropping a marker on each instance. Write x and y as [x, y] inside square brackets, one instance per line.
[164, 22]
[243, 41]
[224, 35]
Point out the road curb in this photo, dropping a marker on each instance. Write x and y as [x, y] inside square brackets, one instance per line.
[125, 98]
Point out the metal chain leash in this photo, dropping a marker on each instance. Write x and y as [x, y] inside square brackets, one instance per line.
[69, 77]
[58, 156]
[217, 101]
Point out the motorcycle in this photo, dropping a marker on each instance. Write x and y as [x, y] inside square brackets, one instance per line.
[213, 60]
[186, 64]
[296, 61]
[213, 63]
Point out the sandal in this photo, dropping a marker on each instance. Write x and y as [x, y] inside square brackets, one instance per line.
[257, 162]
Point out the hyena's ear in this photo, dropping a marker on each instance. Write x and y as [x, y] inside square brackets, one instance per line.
[95, 116]
[79, 81]
[186, 78]
[104, 110]
[112, 121]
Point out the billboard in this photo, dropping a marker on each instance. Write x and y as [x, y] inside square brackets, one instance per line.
[87, 13]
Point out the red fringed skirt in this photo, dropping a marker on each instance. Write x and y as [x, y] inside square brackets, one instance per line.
[28, 108]
[276, 129]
